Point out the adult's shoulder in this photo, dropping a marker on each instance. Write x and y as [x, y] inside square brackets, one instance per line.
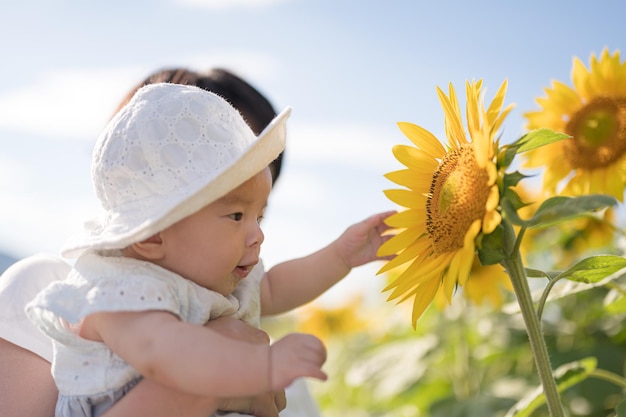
[18, 285]
[39, 267]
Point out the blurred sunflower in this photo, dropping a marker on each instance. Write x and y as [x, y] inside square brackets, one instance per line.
[327, 322]
[593, 113]
[489, 283]
[486, 284]
[451, 197]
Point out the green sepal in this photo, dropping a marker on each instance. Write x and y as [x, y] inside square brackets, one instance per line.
[512, 179]
[490, 247]
[505, 156]
[510, 207]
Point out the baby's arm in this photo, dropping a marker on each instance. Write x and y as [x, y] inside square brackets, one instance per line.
[196, 360]
[150, 399]
[293, 283]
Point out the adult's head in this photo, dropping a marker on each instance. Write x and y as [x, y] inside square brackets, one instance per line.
[256, 110]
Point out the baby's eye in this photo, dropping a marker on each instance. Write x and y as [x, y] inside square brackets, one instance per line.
[236, 216]
[259, 219]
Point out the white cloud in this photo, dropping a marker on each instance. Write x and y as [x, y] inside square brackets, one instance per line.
[228, 4]
[74, 103]
[77, 102]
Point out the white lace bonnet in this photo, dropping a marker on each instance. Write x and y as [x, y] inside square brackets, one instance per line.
[170, 151]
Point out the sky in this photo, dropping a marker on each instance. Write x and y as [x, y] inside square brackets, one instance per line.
[350, 69]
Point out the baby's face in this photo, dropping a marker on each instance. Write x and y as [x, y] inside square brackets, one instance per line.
[218, 246]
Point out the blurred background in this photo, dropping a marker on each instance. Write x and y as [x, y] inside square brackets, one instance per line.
[350, 69]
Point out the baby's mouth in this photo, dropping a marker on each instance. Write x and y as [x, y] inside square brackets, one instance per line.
[244, 270]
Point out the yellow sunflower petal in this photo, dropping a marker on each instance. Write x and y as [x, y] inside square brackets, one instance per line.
[495, 107]
[406, 198]
[414, 158]
[402, 240]
[491, 220]
[423, 139]
[465, 264]
[563, 99]
[412, 218]
[454, 128]
[580, 79]
[409, 178]
[421, 270]
[416, 250]
[423, 299]
[449, 280]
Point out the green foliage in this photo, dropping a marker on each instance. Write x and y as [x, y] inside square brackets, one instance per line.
[566, 376]
[595, 269]
[490, 248]
[470, 361]
[538, 138]
[560, 209]
[621, 409]
[532, 140]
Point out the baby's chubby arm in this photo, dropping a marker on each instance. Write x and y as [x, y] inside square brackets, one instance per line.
[198, 360]
[293, 283]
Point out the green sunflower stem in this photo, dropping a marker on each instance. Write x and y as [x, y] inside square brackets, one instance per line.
[515, 269]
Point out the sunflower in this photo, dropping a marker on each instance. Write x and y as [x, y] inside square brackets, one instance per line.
[451, 197]
[593, 113]
[327, 322]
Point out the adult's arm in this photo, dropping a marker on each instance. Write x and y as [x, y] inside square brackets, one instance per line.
[26, 385]
[149, 398]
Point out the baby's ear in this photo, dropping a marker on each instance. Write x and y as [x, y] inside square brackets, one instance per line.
[151, 249]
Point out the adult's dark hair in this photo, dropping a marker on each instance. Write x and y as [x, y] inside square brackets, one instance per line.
[256, 110]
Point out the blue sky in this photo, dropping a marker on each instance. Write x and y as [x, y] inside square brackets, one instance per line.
[349, 68]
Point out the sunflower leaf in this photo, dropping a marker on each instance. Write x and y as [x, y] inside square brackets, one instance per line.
[559, 209]
[595, 269]
[621, 409]
[565, 376]
[538, 138]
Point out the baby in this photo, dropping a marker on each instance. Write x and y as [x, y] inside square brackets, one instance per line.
[184, 183]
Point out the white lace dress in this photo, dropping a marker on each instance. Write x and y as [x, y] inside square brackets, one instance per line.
[89, 376]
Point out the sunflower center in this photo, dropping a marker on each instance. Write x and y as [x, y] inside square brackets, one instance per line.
[458, 196]
[598, 133]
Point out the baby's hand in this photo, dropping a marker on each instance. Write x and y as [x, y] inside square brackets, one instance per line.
[359, 244]
[295, 356]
